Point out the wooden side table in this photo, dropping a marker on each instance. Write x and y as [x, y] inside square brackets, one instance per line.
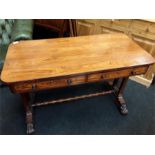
[37, 65]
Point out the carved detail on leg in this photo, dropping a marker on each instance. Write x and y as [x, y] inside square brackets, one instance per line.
[29, 121]
[119, 95]
[121, 105]
[28, 110]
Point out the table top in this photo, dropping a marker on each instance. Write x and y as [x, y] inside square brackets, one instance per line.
[48, 58]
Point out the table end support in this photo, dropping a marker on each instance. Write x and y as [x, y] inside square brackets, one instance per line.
[28, 109]
[122, 105]
[119, 89]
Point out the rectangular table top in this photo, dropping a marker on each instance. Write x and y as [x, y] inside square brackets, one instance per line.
[39, 59]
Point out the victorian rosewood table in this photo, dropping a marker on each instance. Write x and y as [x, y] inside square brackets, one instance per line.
[31, 66]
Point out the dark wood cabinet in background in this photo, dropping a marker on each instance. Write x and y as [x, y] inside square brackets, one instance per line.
[61, 26]
[64, 27]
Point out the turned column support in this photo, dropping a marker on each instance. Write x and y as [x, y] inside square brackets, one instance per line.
[28, 109]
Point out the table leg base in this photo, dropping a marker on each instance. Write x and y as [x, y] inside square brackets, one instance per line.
[118, 89]
[29, 120]
[123, 109]
[30, 128]
[122, 105]
[29, 113]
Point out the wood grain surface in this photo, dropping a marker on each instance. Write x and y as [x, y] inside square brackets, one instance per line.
[39, 59]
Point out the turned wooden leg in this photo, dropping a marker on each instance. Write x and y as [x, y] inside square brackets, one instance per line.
[119, 95]
[28, 110]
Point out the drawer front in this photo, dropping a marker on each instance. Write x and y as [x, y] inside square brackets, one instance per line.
[60, 82]
[22, 87]
[51, 84]
[110, 75]
[116, 74]
[64, 82]
[138, 71]
[48, 84]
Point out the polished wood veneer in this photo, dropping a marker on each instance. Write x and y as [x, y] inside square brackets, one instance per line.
[31, 60]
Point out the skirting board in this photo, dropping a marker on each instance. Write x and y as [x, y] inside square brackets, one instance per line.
[141, 80]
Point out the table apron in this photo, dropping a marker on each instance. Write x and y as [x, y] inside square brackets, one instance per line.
[44, 84]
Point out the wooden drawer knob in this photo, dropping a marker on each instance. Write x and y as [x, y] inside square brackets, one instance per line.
[133, 72]
[69, 81]
[103, 76]
[34, 87]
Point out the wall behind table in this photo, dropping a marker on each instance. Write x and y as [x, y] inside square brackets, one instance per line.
[142, 31]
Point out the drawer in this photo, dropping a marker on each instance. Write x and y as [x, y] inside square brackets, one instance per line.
[56, 83]
[22, 87]
[51, 84]
[109, 75]
[47, 84]
[140, 70]
[116, 74]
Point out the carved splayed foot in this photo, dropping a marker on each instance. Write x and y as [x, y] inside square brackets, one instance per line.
[123, 109]
[29, 120]
[121, 105]
[30, 128]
